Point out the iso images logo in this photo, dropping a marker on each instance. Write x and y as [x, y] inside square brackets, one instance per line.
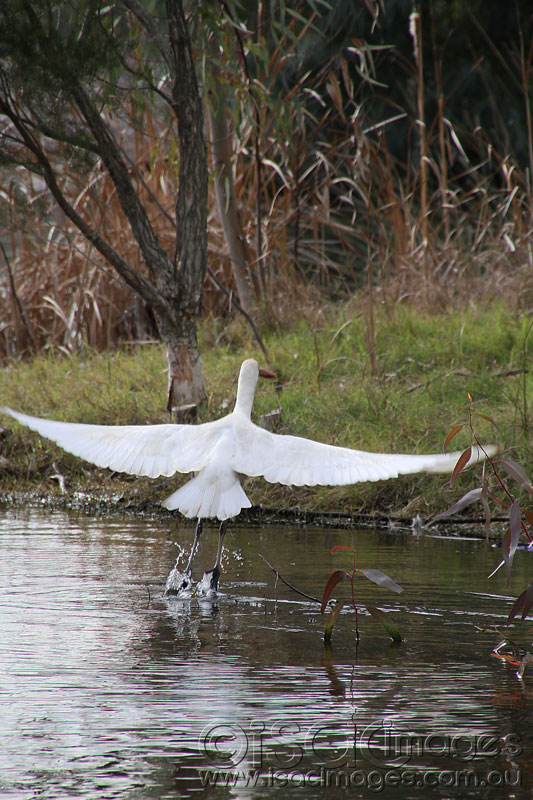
[281, 755]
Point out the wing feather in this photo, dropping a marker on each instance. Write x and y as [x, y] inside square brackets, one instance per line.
[155, 450]
[151, 450]
[293, 460]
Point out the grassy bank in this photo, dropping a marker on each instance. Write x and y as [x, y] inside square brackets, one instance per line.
[396, 387]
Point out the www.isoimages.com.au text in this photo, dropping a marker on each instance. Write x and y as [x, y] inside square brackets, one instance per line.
[374, 780]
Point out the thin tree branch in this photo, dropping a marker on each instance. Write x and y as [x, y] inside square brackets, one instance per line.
[234, 301]
[135, 280]
[147, 21]
[134, 210]
[282, 579]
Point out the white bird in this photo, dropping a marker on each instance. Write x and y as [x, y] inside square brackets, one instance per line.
[218, 453]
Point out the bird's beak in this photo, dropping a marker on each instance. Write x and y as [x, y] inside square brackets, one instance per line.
[265, 373]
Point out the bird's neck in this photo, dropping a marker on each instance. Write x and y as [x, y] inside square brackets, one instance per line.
[245, 399]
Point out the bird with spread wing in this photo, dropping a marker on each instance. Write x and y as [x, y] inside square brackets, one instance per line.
[217, 453]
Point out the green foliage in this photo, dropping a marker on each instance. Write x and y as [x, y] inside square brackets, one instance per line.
[48, 46]
[117, 387]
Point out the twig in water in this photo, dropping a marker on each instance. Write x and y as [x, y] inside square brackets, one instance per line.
[282, 579]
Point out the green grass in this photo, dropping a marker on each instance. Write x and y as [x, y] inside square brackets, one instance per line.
[426, 367]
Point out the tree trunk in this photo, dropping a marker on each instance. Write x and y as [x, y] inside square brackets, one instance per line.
[190, 261]
[226, 200]
[185, 377]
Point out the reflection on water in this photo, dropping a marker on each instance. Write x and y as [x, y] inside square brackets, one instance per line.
[110, 690]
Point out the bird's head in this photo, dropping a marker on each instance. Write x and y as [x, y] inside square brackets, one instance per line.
[251, 371]
[248, 377]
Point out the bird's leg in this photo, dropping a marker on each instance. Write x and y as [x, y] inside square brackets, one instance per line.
[209, 583]
[180, 583]
[194, 548]
[216, 568]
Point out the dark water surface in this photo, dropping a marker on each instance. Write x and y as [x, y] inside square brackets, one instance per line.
[108, 690]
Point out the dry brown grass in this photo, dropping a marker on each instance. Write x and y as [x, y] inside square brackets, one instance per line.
[337, 216]
[441, 228]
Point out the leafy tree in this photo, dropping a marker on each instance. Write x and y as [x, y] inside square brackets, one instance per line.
[74, 78]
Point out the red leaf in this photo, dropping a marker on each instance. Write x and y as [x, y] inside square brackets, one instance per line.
[523, 603]
[381, 579]
[454, 431]
[485, 416]
[470, 497]
[515, 519]
[510, 539]
[518, 604]
[486, 507]
[517, 472]
[506, 547]
[384, 618]
[331, 619]
[528, 600]
[462, 461]
[335, 578]
[510, 651]
[494, 571]
[340, 547]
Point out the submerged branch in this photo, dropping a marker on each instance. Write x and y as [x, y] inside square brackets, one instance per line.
[282, 579]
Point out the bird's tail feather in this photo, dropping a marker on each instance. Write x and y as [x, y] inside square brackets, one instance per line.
[219, 496]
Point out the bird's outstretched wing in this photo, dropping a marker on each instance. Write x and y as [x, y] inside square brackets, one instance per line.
[295, 461]
[151, 450]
